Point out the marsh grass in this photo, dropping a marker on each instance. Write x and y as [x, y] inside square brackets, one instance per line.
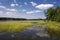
[41, 23]
[14, 26]
[53, 28]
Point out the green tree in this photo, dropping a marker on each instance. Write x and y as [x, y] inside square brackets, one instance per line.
[53, 14]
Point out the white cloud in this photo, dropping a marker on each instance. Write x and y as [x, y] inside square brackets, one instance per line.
[44, 6]
[12, 10]
[7, 9]
[25, 3]
[34, 11]
[17, 4]
[2, 7]
[1, 14]
[8, 14]
[1, 11]
[12, 5]
[33, 3]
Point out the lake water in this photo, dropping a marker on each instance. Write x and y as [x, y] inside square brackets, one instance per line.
[30, 33]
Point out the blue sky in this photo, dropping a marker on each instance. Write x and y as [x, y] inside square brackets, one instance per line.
[26, 8]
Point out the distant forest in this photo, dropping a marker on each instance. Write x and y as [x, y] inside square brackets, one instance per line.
[7, 18]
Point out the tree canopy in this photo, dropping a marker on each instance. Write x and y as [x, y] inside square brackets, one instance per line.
[53, 14]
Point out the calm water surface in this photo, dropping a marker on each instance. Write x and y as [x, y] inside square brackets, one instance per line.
[30, 33]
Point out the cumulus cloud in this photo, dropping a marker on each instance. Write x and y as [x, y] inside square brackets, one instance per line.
[17, 4]
[34, 11]
[8, 14]
[13, 5]
[2, 7]
[1, 13]
[44, 6]
[12, 10]
[33, 3]
[7, 9]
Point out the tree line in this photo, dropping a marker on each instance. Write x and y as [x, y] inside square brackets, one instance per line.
[53, 14]
[7, 18]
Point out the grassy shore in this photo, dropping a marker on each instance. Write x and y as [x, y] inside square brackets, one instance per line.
[17, 26]
[53, 27]
[14, 26]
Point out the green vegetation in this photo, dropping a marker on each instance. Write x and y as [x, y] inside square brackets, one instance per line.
[53, 21]
[41, 23]
[13, 26]
[53, 14]
[16, 26]
[53, 28]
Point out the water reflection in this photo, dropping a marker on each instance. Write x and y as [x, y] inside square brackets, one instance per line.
[30, 33]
